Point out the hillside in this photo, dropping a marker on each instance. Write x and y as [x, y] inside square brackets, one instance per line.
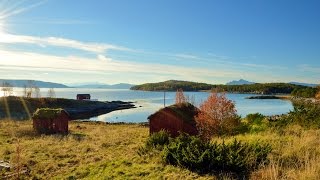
[173, 85]
[40, 84]
[257, 88]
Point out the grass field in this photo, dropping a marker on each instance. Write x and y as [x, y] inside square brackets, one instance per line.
[98, 150]
[91, 151]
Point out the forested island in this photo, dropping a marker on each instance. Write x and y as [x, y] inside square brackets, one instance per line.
[256, 88]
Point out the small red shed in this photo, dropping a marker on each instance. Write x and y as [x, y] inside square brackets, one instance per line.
[49, 121]
[83, 96]
[175, 119]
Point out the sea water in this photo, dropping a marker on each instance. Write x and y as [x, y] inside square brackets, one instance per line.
[149, 102]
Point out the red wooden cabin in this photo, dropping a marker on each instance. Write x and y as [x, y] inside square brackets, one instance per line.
[49, 121]
[175, 119]
[83, 96]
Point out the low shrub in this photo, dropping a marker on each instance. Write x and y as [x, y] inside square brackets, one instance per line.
[305, 114]
[158, 139]
[155, 141]
[256, 122]
[255, 118]
[194, 154]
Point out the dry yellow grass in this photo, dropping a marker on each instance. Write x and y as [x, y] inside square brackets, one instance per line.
[295, 155]
[90, 151]
[98, 150]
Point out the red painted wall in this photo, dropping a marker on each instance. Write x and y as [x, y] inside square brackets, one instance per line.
[49, 126]
[166, 119]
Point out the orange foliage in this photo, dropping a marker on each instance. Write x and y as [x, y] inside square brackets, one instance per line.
[318, 95]
[217, 115]
[180, 98]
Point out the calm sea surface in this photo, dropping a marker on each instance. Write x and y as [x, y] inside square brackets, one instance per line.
[149, 102]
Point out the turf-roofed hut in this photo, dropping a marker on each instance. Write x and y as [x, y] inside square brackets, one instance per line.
[50, 121]
[175, 119]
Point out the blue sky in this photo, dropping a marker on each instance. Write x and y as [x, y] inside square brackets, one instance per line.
[150, 41]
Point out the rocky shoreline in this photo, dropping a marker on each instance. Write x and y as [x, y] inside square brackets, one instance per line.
[22, 108]
[263, 97]
[284, 97]
[99, 109]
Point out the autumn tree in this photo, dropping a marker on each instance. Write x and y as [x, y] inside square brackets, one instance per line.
[180, 98]
[318, 93]
[217, 116]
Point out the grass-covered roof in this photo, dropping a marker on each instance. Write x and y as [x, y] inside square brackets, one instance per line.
[47, 113]
[185, 111]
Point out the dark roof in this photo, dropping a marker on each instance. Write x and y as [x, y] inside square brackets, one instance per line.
[83, 94]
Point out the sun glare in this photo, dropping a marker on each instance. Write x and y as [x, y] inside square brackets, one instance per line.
[5, 37]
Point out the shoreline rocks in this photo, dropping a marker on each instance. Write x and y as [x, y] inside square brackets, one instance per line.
[22, 108]
[263, 97]
[99, 109]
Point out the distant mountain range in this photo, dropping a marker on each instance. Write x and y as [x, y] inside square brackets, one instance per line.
[105, 86]
[304, 84]
[40, 84]
[240, 82]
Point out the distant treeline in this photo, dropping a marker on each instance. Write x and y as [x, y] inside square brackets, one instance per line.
[257, 88]
[173, 85]
[307, 92]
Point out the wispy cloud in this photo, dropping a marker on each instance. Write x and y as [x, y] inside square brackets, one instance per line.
[61, 42]
[308, 68]
[58, 21]
[186, 56]
[102, 65]
[12, 59]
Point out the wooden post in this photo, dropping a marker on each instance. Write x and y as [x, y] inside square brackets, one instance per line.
[164, 98]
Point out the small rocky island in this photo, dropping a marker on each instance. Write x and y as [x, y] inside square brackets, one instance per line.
[22, 108]
[283, 97]
[264, 97]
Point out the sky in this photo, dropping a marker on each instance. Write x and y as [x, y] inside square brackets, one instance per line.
[125, 41]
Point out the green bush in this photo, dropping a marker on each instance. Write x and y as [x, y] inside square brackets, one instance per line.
[253, 123]
[255, 118]
[155, 141]
[158, 139]
[305, 114]
[203, 157]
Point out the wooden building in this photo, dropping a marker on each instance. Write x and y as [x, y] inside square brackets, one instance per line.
[83, 96]
[175, 119]
[50, 121]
